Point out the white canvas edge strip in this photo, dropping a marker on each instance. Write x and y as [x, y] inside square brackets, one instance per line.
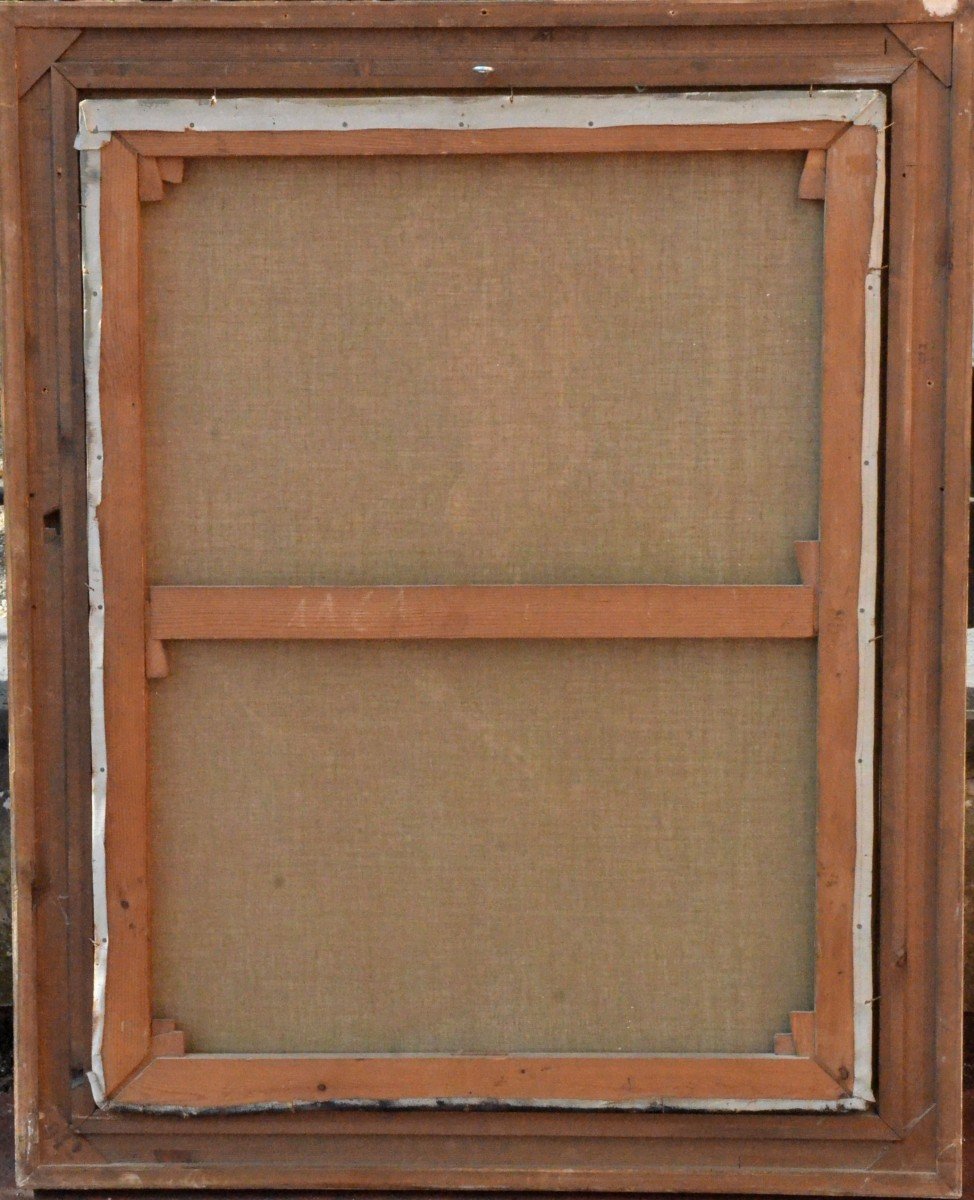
[862, 903]
[91, 271]
[99, 118]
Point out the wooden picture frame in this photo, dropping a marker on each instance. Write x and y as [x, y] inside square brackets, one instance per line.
[513, 1123]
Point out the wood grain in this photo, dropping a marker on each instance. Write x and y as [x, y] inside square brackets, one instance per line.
[775, 1153]
[567, 57]
[27, 812]
[807, 554]
[355, 14]
[150, 180]
[38, 51]
[792, 135]
[908, 844]
[42, 512]
[70, 532]
[156, 661]
[171, 169]
[803, 1033]
[931, 44]
[849, 203]
[519, 611]
[121, 524]
[956, 529]
[213, 1081]
[811, 186]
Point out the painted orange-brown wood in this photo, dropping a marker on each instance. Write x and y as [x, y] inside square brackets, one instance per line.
[800, 1040]
[481, 611]
[305, 611]
[310, 1124]
[155, 172]
[207, 1081]
[156, 662]
[170, 1042]
[784, 1043]
[150, 180]
[792, 135]
[170, 169]
[120, 518]
[69, 539]
[849, 214]
[811, 186]
[41, 507]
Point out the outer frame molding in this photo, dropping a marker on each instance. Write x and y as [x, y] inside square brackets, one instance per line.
[315, 14]
[909, 1146]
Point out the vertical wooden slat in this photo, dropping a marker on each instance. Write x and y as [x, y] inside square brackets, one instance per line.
[121, 525]
[35, 54]
[50, 884]
[71, 533]
[213, 1081]
[18, 556]
[849, 204]
[912, 596]
[956, 479]
[784, 135]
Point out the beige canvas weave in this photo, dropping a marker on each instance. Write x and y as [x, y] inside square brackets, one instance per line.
[539, 369]
[484, 847]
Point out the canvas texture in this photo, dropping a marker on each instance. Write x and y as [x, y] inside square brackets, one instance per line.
[484, 846]
[516, 369]
[537, 369]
